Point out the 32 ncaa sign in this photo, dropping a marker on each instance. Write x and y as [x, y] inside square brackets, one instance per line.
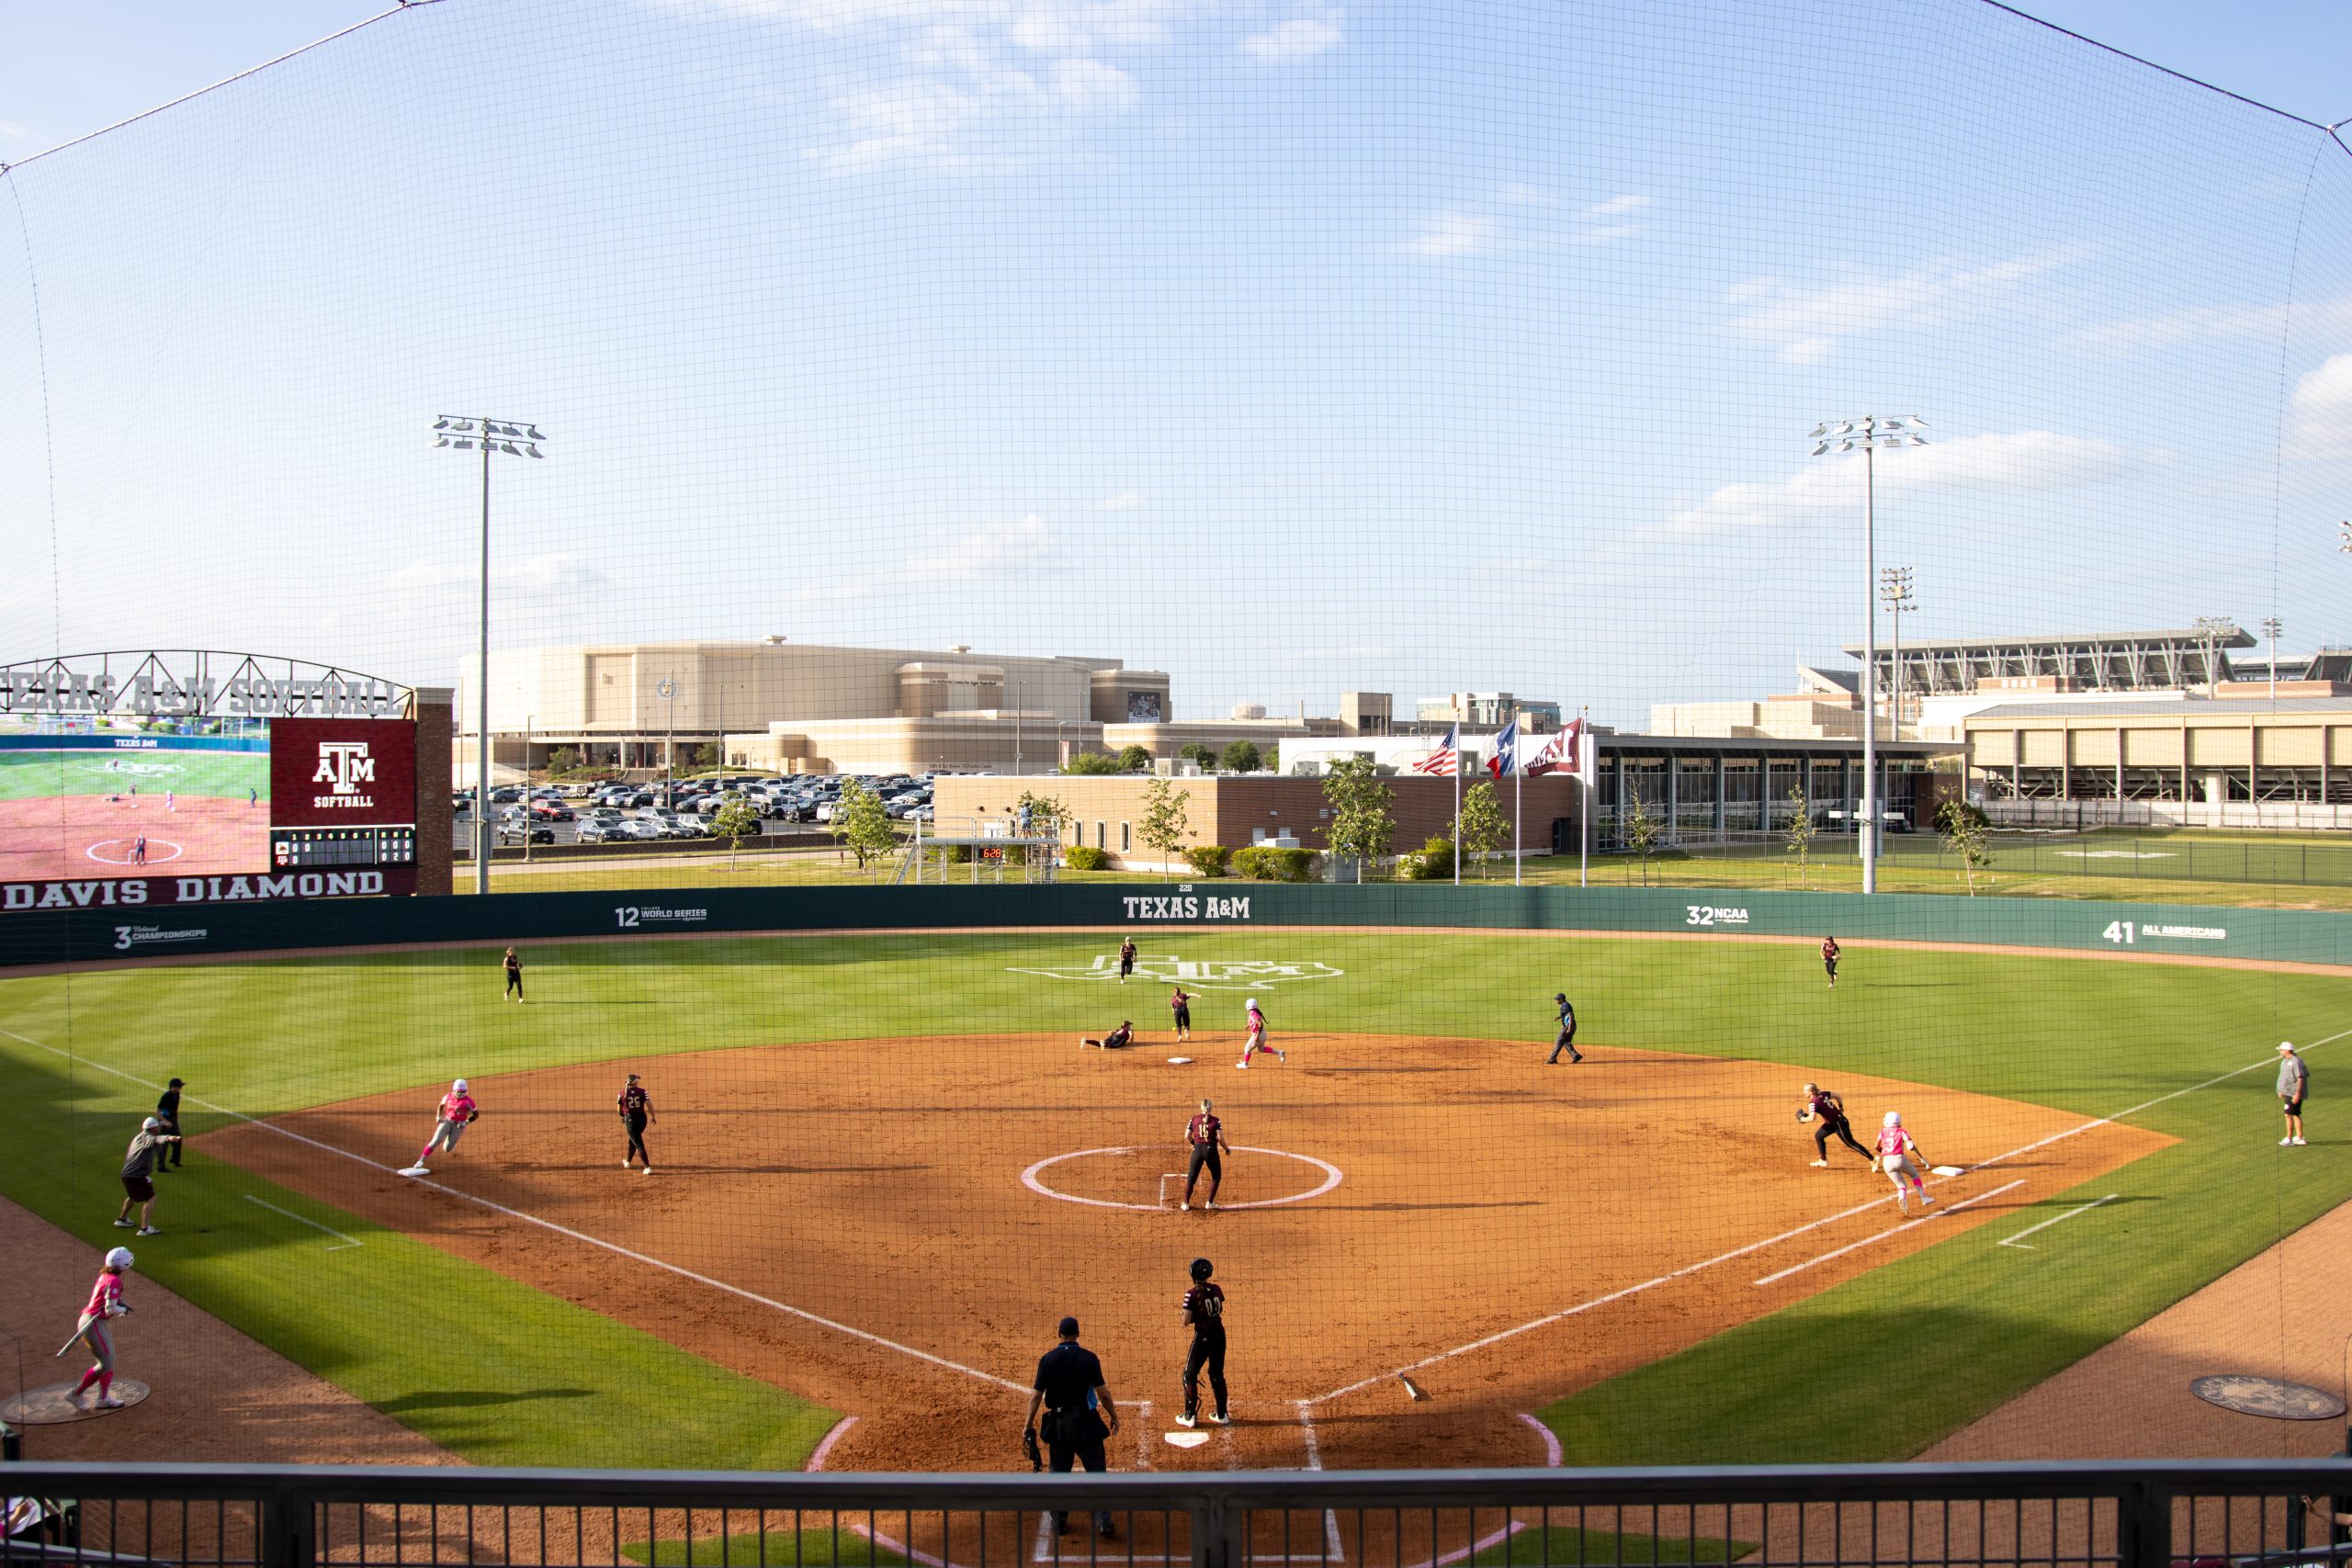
[327, 773]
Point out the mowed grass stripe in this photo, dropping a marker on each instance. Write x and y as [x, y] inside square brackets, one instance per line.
[2088, 1036]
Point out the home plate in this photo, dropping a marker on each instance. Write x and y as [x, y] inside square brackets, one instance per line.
[1186, 1440]
[1947, 1170]
[1178, 1061]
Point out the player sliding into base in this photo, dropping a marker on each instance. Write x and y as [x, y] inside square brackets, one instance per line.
[106, 1305]
[1900, 1157]
[456, 1113]
[1118, 1039]
[1257, 1041]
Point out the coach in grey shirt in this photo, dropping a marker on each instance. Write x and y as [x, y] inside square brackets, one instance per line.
[2294, 1080]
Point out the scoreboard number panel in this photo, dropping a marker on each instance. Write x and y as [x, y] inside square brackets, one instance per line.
[301, 849]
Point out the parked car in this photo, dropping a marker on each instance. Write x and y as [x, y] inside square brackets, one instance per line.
[637, 830]
[552, 811]
[505, 795]
[526, 833]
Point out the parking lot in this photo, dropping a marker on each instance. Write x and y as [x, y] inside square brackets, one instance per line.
[652, 815]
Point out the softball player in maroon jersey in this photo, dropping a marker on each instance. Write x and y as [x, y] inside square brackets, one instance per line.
[1205, 1315]
[1205, 1133]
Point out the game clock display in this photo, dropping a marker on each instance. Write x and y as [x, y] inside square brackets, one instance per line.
[296, 849]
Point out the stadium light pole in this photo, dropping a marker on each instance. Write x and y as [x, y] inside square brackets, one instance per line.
[1895, 587]
[2272, 626]
[464, 434]
[1867, 434]
[2212, 629]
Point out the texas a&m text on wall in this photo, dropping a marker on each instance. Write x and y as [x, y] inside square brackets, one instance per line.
[134, 892]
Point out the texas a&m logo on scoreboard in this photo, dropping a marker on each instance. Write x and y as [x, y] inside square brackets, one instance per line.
[342, 772]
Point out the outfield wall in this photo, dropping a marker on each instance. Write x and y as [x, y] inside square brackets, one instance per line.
[243, 914]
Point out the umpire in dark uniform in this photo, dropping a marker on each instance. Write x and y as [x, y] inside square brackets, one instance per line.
[1567, 1039]
[167, 1112]
[1080, 1415]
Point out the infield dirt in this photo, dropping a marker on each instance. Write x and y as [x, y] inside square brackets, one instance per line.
[826, 1216]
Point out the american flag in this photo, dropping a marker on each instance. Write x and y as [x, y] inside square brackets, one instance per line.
[1447, 758]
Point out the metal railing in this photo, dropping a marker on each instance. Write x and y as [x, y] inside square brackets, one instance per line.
[2148, 1514]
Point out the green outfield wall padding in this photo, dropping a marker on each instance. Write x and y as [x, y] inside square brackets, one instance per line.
[259, 926]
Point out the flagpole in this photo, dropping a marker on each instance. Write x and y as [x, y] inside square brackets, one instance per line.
[1518, 804]
[1455, 736]
[1584, 793]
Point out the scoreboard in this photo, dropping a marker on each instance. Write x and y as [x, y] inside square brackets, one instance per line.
[301, 849]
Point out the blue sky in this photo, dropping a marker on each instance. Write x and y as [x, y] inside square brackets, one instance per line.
[1288, 346]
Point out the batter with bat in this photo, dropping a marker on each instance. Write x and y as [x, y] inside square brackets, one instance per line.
[106, 1305]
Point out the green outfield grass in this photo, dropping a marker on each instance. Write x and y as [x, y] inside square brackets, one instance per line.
[502, 1373]
[36, 775]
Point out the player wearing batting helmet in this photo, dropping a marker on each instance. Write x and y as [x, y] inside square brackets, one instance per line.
[95, 1331]
[1899, 1156]
[1205, 1315]
[455, 1112]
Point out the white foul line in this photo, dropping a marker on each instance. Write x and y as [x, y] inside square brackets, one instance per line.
[1892, 1230]
[1315, 1461]
[613, 1248]
[346, 1241]
[2017, 1241]
[1548, 1320]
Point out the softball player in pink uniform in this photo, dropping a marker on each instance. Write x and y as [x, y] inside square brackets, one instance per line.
[456, 1109]
[106, 1305]
[1257, 1041]
[1899, 1156]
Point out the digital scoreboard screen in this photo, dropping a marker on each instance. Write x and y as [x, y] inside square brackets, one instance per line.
[298, 849]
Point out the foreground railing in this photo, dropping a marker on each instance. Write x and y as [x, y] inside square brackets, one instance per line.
[2226, 1515]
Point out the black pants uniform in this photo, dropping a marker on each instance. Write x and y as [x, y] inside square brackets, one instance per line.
[1076, 1436]
[636, 1140]
[1844, 1132]
[1208, 1350]
[1184, 1020]
[1205, 1154]
[514, 981]
[1566, 1042]
[168, 1157]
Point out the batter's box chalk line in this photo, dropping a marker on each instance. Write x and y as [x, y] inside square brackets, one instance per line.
[1033, 1179]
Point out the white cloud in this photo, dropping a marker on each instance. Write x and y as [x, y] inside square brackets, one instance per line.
[11, 131]
[1453, 234]
[1298, 38]
[955, 555]
[2018, 461]
[2206, 323]
[1617, 206]
[557, 572]
[2321, 410]
[1125, 500]
[1806, 325]
[1091, 84]
[1529, 195]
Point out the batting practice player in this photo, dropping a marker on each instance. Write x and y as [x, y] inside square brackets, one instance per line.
[1824, 1108]
[1205, 1315]
[1829, 950]
[1567, 1040]
[1181, 1004]
[1126, 958]
[637, 1110]
[1077, 1408]
[1257, 1041]
[95, 1330]
[1205, 1133]
[455, 1112]
[1900, 1157]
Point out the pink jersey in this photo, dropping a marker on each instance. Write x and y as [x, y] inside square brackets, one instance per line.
[1896, 1143]
[104, 1295]
[456, 1108]
[1257, 1022]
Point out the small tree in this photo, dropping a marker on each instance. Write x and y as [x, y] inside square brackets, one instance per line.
[737, 821]
[1966, 832]
[702, 756]
[1134, 759]
[1482, 826]
[1092, 762]
[1044, 814]
[1241, 757]
[1364, 821]
[563, 759]
[1164, 822]
[1435, 861]
[1198, 754]
[861, 824]
[1643, 829]
[1799, 833]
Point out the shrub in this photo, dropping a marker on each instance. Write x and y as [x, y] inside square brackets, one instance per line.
[1085, 857]
[1434, 862]
[1266, 862]
[1092, 762]
[1209, 860]
[1206, 756]
[1133, 759]
[1241, 757]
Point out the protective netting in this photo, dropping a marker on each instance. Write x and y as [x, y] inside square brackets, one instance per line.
[1287, 351]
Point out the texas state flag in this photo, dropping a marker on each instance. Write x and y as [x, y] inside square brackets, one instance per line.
[1505, 760]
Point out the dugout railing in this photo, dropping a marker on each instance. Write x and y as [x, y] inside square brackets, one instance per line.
[2149, 1515]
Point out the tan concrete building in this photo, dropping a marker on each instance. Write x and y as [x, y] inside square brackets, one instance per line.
[1236, 810]
[2205, 755]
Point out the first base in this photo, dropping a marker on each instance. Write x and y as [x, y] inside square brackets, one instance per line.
[1186, 1440]
[48, 1407]
[1178, 1061]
